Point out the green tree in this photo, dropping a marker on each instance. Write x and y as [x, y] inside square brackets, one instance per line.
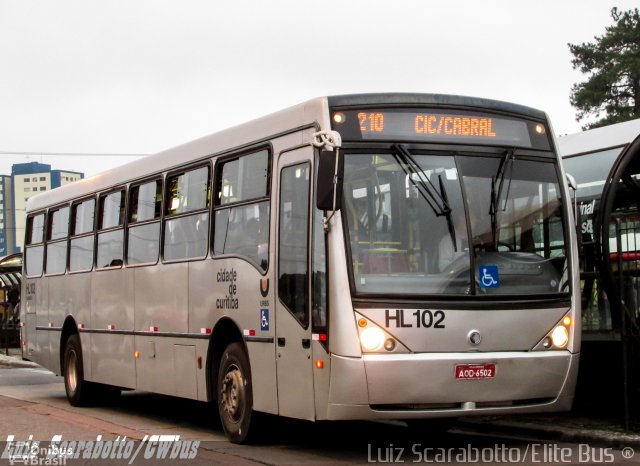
[612, 91]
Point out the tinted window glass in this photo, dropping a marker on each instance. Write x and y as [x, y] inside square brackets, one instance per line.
[56, 257]
[590, 171]
[58, 223]
[145, 201]
[188, 191]
[111, 210]
[186, 237]
[294, 228]
[244, 230]
[83, 217]
[110, 245]
[35, 256]
[143, 244]
[81, 254]
[36, 229]
[244, 179]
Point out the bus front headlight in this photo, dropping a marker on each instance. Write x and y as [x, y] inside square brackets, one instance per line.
[560, 336]
[372, 338]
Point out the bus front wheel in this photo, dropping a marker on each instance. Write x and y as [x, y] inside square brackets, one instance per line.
[79, 391]
[235, 399]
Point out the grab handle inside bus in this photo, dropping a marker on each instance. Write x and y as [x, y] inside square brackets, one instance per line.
[329, 185]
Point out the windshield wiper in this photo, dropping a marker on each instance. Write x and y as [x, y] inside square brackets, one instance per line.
[506, 164]
[437, 200]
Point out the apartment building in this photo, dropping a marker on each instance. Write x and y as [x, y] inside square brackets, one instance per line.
[26, 180]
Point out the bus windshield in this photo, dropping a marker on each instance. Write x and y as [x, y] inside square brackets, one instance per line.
[454, 224]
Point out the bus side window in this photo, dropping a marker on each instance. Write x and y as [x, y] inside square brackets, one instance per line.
[81, 244]
[35, 245]
[242, 208]
[185, 236]
[57, 232]
[294, 240]
[143, 235]
[110, 230]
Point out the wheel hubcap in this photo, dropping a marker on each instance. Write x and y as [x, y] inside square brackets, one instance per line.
[72, 375]
[232, 393]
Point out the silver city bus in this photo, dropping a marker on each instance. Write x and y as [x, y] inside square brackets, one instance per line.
[385, 256]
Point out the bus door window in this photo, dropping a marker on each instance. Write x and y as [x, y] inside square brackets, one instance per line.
[110, 230]
[57, 232]
[242, 208]
[187, 215]
[35, 245]
[82, 238]
[145, 204]
[293, 269]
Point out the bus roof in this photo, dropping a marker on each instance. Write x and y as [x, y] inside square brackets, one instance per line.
[235, 137]
[307, 113]
[606, 137]
[433, 100]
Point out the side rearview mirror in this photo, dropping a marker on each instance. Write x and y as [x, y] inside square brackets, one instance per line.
[572, 182]
[329, 183]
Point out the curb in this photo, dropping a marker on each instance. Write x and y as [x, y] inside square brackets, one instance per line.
[15, 362]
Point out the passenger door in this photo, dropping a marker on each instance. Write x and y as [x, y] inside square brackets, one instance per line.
[293, 323]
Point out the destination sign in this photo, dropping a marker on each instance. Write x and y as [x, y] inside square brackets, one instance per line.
[438, 126]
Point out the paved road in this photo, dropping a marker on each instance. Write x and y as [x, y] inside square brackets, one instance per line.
[33, 405]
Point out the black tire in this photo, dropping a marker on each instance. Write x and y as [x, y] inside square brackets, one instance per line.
[235, 394]
[79, 391]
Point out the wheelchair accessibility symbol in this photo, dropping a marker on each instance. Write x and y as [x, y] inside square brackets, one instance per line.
[489, 277]
[264, 319]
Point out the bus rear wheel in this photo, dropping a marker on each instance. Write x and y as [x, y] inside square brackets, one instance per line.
[235, 398]
[79, 391]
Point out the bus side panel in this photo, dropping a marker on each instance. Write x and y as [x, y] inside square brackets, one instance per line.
[72, 297]
[201, 312]
[112, 305]
[214, 294]
[40, 305]
[184, 369]
[160, 299]
[161, 305]
[154, 367]
[321, 379]
[61, 292]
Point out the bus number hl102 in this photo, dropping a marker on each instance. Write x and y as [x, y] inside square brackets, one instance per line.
[418, 319]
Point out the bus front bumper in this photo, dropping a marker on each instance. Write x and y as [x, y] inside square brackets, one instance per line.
[424, 385]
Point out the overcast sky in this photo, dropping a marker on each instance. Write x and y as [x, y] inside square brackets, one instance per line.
[141, 76]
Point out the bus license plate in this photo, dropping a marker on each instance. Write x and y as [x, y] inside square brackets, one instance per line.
[475, 371]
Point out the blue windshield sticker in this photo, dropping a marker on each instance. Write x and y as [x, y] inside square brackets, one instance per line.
[489, 277]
